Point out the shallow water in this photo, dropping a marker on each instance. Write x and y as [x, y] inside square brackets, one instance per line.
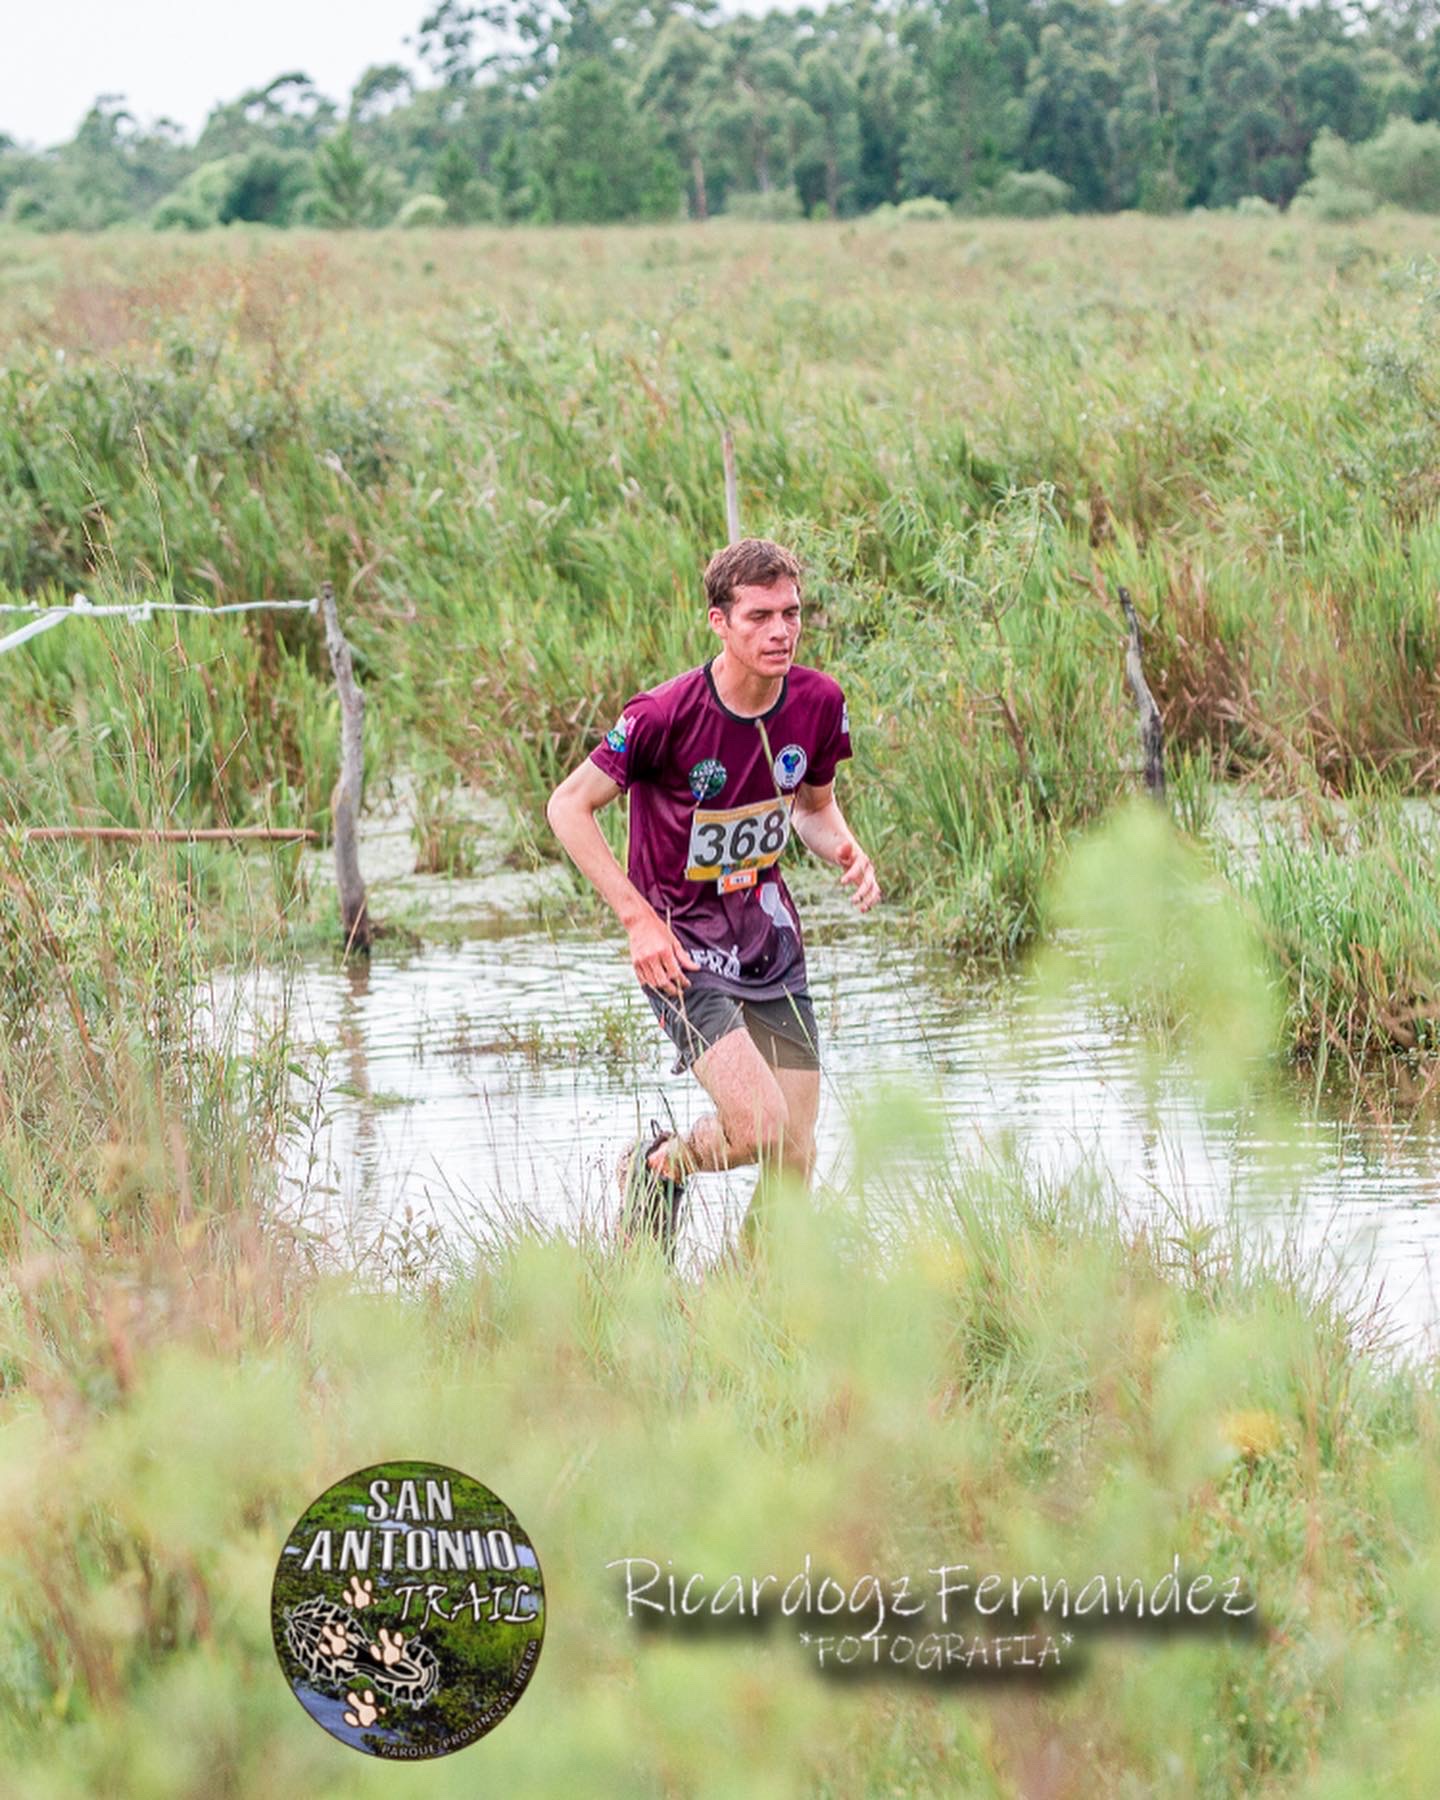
[462, 1086]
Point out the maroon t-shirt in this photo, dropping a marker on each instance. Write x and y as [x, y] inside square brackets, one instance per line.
[711, 797]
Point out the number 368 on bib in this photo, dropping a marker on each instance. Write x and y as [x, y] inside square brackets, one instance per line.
[744, 837]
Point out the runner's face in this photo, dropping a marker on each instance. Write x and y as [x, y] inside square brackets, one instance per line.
[762, 630]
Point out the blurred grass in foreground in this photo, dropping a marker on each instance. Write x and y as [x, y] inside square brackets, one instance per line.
[965, 1364]
[1015, 1381]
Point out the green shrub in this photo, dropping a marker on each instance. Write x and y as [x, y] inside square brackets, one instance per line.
[421, 209]
[264, 186]
[922, 209]
[1033, 195]
[1337, 205]
[1402, 164]
[1161, 192]
[200, 198]
[777, 206]
[24, 207]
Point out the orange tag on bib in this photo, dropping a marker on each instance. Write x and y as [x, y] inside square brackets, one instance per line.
[737, 878]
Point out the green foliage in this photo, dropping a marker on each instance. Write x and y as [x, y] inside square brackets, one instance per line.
[200, 200]
[266, 417]
[1337, 205]
[1130, 105]
[595, 158]
[777, 206]
[971, 119]
[348, 191]
[25, 206]
[1154, 931]
[922, 209]
[1067, 98]
[1245, 97]
[946, 1337]
[466, 196]
[1402, 164]
[1247, 441]
[422, 210]
[1034, 195]
[264, 187]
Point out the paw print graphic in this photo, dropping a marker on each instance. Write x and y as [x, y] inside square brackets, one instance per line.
[334, 1642]
[390, 1649]
[359, 1594]
[363, 1711]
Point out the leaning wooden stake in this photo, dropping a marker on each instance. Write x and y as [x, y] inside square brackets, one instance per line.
[345, 799]
[1152, 726]
[732, 496]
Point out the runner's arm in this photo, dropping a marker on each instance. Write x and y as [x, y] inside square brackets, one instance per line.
[820, 826]
[656, 953]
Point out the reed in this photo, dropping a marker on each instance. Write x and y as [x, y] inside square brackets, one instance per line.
[503, 448]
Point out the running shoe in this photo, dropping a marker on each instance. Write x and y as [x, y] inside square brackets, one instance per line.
[652, 1205]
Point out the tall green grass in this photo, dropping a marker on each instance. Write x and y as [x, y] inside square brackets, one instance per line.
[945, 1360]
[504, 450]
[1005, 1375]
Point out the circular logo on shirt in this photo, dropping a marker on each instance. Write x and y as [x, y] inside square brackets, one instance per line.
[790, 766]
[615, 737]
[707, 778]
[408, 1610]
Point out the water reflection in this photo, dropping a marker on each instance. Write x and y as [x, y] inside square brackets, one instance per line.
[500, 1077]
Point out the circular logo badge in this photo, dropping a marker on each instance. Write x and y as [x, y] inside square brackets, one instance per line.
[408, 1610]
[707, 778]
[790, 766]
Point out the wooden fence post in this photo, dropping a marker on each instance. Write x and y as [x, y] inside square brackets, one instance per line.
[1152, 726]
[345, 798]
[732, 496]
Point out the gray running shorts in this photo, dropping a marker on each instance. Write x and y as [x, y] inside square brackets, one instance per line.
[784, 1030]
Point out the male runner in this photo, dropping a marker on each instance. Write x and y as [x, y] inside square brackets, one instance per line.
[721, 764]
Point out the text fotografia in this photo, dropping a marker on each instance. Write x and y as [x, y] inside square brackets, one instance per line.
[935, 1650]
[946, 1594]
[408, 1532]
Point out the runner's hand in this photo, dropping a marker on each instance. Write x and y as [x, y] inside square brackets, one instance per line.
[859, 874]
[658, 957]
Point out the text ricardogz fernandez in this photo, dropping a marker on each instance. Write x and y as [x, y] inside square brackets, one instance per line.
[654, 1589]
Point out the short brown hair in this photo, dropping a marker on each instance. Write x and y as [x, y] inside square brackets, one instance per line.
[752, 562]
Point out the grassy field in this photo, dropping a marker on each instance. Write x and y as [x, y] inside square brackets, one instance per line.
[503, 448]
[961, 1366]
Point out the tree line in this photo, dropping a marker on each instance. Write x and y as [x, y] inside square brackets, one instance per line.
[530, 110]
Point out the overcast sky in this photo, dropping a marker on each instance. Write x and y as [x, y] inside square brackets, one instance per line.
[178, 57]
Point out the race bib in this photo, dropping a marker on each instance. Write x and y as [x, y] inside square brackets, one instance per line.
[744, 837]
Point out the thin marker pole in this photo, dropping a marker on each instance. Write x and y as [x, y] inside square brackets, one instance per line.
[345, 798]
[732, 496]
[133, 834]
[1152, 724]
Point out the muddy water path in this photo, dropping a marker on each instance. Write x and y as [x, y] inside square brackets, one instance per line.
[454, 1089]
